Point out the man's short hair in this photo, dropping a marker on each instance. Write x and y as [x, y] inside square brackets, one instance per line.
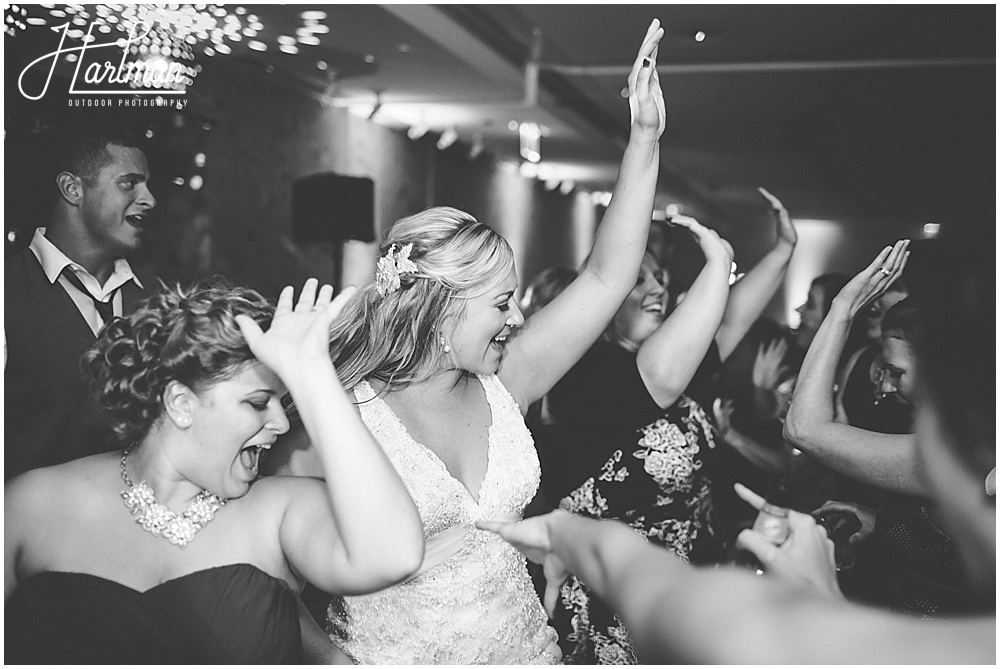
[84, 152]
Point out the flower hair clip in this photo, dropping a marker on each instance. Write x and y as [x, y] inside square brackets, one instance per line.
[391, 266]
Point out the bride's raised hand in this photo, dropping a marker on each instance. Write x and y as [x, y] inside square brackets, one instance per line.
[645, 99]
[298, 336]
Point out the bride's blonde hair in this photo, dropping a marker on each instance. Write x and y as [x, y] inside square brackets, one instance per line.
[396, 338]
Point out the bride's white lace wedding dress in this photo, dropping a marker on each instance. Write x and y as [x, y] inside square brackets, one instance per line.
[473, 601]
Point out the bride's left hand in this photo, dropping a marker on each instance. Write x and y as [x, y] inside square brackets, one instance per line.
[298, 337]
[645, 99]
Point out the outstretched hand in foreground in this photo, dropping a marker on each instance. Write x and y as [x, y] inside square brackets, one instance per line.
[531, 537]
[805, 558]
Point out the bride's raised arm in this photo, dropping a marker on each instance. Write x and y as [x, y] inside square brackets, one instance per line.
[557, 336]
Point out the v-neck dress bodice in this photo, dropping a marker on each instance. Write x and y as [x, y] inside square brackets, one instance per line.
[478, 606]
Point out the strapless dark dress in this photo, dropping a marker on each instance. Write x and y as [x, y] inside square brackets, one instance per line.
[235, 614]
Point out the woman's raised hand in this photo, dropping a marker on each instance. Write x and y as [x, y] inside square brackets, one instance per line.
[769, 367]
[645, 99]
[875, 279]
[712, 245]
[786, 230]
[298, 336]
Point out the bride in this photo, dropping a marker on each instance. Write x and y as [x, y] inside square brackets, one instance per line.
[442, 373]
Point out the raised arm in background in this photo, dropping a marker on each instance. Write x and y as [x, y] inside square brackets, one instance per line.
[750, 295]
[884, 460]
[556, 337]
[670, 356]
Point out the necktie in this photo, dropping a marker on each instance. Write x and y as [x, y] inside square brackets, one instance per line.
[105, 309]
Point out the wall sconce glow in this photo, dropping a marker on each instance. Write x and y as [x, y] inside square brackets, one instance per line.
[531, 142]
[931, 230]
[447, 138]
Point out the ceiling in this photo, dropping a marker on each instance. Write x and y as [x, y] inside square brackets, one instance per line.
[861, 114]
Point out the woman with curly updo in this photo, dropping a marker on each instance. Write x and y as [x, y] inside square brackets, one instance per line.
[171, 550]
[442, 380]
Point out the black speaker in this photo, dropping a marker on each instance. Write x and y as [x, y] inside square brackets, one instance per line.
[333, 208]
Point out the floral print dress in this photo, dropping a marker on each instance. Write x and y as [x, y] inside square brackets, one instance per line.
[652, 477]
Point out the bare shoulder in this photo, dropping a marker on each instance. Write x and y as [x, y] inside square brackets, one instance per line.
[65, 493]
[73, 481]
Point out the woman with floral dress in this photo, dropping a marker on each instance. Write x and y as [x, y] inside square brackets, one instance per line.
[627, 444]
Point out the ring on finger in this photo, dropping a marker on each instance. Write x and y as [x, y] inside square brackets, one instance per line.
[885, 271]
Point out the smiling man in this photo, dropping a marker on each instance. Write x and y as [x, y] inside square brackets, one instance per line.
[60, 291]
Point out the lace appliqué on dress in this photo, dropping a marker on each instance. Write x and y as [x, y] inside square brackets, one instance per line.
[479, 605]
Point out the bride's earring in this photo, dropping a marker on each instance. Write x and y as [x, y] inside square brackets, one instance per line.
[444, 345]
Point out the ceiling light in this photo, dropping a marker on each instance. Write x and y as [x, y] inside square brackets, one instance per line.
[320, 64]
[313, 15]
[196, 182]
[309, 40]
[320, 29]
[223, 48]
[447, 138]
[256, 45]
[931, 230]
[531, 137]
[199, 159]
[528, 170]
[285, 39]
[512, 126]
[369, 58]
[699, 36]
[288, 48]
[477, 147]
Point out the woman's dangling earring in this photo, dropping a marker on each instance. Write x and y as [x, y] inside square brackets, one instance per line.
[444, 345]
[879, 395]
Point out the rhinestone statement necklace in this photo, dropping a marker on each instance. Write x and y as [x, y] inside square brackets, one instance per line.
[158, 520]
